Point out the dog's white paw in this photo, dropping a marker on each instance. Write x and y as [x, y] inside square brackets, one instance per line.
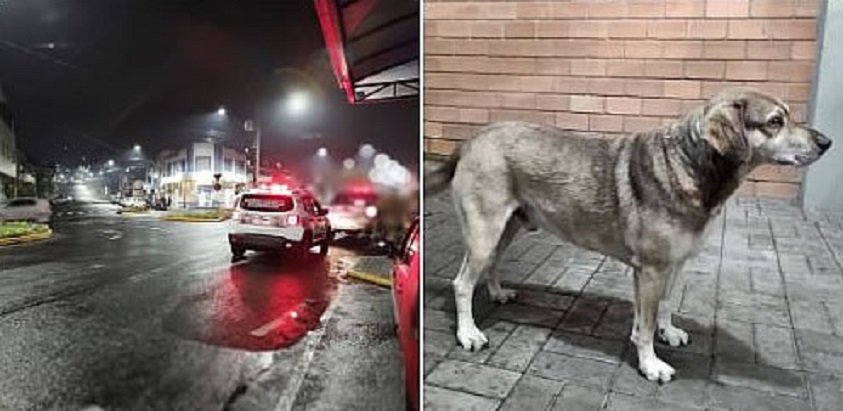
[673, 336]
[656, 370]
[503, 296]
[471, 338]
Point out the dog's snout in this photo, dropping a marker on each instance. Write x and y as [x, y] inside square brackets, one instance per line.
[823, 142]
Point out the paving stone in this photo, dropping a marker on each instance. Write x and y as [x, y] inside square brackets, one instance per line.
[496, 331]
[630, 381]
[616, 321]
[775, 346]
[744, 399]
[827, 392]
[572, 281]
[691, 380]
[473, 378]
[532, 393]
[760, 377]
[564, 368]
[439, 320]
[519, 348]
[584, 315]
[544, 299]
[584, 346]
[438, 342]
[821, 352]
[734, 341]
[811, 315]
[624, 402]
[436, 398]
[768, 315]
[579, 398]
[546, 274]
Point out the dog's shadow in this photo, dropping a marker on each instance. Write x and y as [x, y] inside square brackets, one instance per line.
[597, 327]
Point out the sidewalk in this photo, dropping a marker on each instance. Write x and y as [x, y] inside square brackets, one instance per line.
[762, 304]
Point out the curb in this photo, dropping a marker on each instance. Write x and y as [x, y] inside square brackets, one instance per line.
[370, 277]
[26, 238]
[192, 220]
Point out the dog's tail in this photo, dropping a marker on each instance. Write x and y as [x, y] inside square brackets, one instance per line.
[439, 179]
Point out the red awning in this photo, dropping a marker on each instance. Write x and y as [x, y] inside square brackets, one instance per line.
[373, 46]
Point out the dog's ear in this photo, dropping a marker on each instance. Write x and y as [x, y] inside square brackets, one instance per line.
[726, 128]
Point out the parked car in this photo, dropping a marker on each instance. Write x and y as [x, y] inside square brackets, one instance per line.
[26, 209]
[61, 199]
[405, 298]
[134, 202]
[278, 220]
[354, 209]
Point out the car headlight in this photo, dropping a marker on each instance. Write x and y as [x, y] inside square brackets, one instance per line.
[371, 211]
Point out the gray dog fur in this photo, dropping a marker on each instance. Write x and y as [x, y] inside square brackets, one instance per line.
[646, 199]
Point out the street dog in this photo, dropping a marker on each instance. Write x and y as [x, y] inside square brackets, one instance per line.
[645, 199]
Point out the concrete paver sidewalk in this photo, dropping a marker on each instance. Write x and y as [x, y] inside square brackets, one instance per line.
[762, 304]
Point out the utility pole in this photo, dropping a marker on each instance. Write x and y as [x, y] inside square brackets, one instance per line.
[257, 153]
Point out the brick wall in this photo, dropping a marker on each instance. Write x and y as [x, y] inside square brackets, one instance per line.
[610, 66]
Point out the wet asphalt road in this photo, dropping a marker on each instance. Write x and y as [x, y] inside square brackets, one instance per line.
[136, 313]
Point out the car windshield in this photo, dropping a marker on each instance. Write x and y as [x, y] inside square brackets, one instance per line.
[266, 202]
[21, 202]
[356, 199]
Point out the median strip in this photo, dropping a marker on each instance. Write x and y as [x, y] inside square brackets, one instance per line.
[21, 233]
[198, 216]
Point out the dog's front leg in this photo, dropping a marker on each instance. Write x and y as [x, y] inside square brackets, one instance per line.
[668, 333]
[650, 285]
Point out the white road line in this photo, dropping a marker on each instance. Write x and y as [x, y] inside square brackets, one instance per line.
[266, 328]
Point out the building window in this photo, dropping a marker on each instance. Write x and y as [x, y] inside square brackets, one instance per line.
[203, 163]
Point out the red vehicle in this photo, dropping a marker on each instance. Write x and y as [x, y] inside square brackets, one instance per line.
[405, 297]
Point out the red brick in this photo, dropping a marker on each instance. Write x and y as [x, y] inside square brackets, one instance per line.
[450, 28]
[568, 10]
[487, 29]
[458, 131]
[797, 92]
[511, 65]
[605, 86]
[640, 124]
[522, 115]
[465, 11]
[801, 29]
[456, 81]
[606, 9]
[776, 190]
[517, 100]
[470, 47]
[707, 29]
[642, 49]
[682, 88]
[806, 8]
[746, 70]
[781, 174]
[646, 9]
[625, 68]
[747, 188]
[705, 69]
[661, 107]
[553, 102]
[474, 115]
[667, 29]
[588, 67]
[683, 49]
[572, 121]
[554, 66]
[433, 45]
[587, 104]
[684, 8]
[623, 105]
[518, 29]
[628, 29]
[803, 50]
[663, 68]
[768, 50]
[772, 8]
[795, 71]
[552, 29]
[727, 8]
[439, 146]
[645, 88]
[531, 11]
[432, 129]
[604, 49]
[605, 123]
[729, 50]
[749, 29]
[588, 29]
[538, 83]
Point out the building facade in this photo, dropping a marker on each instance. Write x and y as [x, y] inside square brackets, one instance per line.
[8, 150]
[187, 175]
[611, 67]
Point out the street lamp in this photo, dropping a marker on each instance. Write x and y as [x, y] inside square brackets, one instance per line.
[111, 163]
[221, 111]
[322, 152]
[297, 103]
[137, 147]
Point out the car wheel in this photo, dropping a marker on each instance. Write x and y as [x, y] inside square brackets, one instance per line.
[237, 251]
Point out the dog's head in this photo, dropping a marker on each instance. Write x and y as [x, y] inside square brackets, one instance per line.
[756, 128]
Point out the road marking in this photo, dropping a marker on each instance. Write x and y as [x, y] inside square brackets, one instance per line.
[112, 234]
[266, 328]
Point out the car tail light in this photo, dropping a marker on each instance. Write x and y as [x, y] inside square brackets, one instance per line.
[292, 220]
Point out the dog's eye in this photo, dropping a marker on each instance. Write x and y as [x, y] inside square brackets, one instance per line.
[775, 122]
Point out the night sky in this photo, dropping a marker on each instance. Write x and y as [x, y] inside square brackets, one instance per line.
[94, 77]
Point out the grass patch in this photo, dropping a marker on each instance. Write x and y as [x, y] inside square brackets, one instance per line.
[207, 214]
[20, 229]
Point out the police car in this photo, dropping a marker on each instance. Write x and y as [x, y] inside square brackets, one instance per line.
[278, 219]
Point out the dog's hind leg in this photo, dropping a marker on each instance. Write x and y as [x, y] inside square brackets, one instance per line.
[496, 292]
[668, 333]
[482, 234]
[650, 285]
